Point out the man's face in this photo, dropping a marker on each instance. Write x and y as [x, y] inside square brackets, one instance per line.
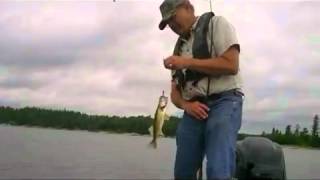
[178, 22]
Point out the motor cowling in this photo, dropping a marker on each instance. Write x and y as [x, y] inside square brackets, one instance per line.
[258, 158]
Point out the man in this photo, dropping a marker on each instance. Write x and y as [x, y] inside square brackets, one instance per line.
[207, 85]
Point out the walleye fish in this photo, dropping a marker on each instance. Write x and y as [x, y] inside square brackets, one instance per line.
[159, 118]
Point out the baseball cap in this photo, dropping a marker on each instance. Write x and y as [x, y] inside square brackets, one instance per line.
[167, 9]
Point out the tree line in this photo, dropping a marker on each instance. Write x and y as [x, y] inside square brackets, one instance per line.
[297, 136]
[72, 120]
[65, 119]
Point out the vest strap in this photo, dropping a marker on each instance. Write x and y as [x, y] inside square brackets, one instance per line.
[200, 50]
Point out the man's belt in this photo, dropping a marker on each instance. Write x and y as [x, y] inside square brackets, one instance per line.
[216, 96]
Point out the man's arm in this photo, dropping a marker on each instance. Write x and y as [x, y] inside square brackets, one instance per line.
[176, 97]
[195, 108]
[226, 64]
[226, 48]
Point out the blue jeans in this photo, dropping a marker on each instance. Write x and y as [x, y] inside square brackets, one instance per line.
[214, 138]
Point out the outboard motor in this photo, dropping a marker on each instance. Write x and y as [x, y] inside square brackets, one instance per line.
[259, 158]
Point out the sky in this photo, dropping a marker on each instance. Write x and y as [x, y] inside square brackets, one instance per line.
[106, 58]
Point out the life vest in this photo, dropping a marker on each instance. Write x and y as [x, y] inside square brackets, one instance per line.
[200, 50]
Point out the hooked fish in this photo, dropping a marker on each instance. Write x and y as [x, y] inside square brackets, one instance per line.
[158, 121]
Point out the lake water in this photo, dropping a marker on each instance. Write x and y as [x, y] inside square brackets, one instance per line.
[27, 152]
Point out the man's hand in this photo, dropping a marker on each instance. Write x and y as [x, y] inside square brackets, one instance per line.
[176, 62]
[196, 109]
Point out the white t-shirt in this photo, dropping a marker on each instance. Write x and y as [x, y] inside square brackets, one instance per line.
[224, 36]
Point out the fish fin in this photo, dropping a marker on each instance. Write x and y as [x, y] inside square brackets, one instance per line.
[161, 134]
[166, 117]
[150, 130]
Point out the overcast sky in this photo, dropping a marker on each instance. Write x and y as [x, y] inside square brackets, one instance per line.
[101, 57]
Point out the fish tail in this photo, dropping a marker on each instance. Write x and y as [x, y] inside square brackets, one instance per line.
[153, 144]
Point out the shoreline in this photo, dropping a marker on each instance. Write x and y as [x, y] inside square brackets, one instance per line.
[137, 134]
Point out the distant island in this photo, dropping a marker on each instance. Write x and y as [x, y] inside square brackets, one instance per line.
[71, 120]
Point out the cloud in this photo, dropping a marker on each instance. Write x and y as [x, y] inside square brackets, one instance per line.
[106, 58]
